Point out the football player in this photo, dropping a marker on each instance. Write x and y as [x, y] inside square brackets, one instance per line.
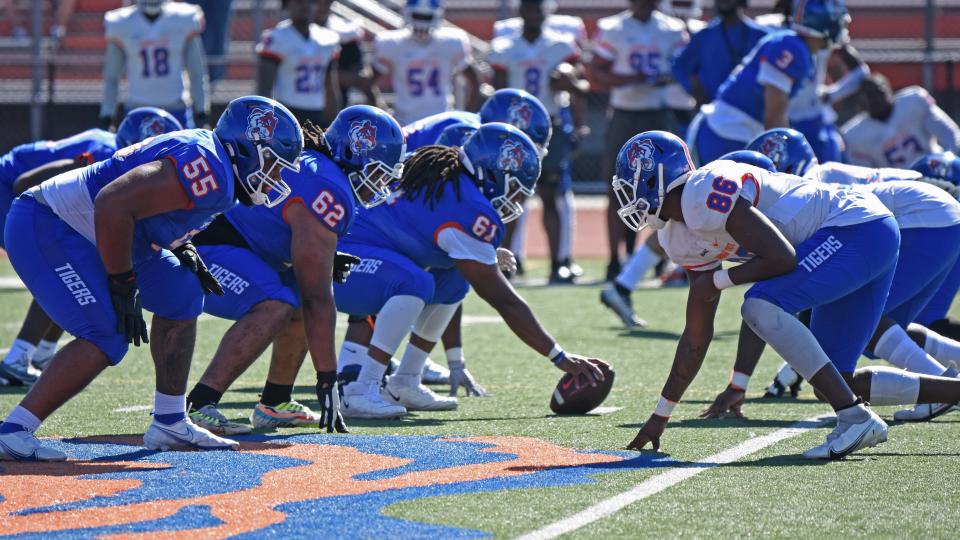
[805, 246]
[350, 66]
[756, 96]
[30, 164]
[568, 25]
[96, 243]
[152, 43]
[897, 129]
[275, 265]
[297, 64]
[422, 60]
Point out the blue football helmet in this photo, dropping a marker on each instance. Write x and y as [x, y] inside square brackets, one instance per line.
[456, 134]
[506, 163]
[521, 110]
[648, 166]
[941, 165]
[826, 19]
[262, 138]
[145, 122]
[368, 144]
[423, 17]
[750, 158]
[787, 148]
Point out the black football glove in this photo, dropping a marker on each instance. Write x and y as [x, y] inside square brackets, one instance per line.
[126, 304]
[187, 253]
[343, 263]
[329, 397]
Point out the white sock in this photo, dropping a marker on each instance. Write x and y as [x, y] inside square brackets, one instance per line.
[518, 242]
[896, 347]
[639, 264]
[942, 348]
[167, 404]
[568, 223]
[23, 417]
[853, 415]
[18, 351]
[454, 356]
[411, 365]
[45, 349]
[351, 353]
[371, 373]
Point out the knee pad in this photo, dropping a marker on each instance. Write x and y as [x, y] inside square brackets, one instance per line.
[788, 336]
[434, 320]
[890, 386]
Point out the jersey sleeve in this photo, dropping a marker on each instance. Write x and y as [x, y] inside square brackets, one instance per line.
[565, 51]
[195, 23]
[604, 43]
[687, 62]
[269, 46]
[205, 179]
[462, 52]
[383, 60]
[498, 57]
[708, 197]
[783, 64]
[474, 235]
[330, 203]
[113, 28]
[462, 246]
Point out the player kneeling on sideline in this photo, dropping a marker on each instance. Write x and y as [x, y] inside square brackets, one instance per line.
[728, 210]
[448, 216]
[97, 230]
[276, 265]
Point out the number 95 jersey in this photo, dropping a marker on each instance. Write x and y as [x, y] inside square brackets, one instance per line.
[154, 51]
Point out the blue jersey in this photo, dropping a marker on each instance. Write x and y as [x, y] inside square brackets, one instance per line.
[714, 52]
[426, 131]
[781, 59]
[86, 147]
[412, 227]
[320, 186]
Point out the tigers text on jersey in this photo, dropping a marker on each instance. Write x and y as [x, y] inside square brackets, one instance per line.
[426, 131]
[834, 172]
[154, 51]
[85, 147]
[530, 65]
[434, 234]
[421, 73]
[915, 127]
[797, 207]
[647, 48]
[303, 63]
[567, 25]
[321, 186]
[203, 168]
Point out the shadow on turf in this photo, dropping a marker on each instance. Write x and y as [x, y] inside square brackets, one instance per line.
[721, 423]
[647, 333]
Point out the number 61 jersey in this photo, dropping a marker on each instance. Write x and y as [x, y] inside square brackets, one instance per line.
[154, 51]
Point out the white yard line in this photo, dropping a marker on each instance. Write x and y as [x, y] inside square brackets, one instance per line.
[672, 477]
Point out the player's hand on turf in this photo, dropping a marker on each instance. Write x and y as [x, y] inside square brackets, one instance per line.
[126, 304]
[577, 365]
[189, 257]
[343, 264]
[649, 434]
[506, 262]
[461, 376]
[329, 398]
[727, 404]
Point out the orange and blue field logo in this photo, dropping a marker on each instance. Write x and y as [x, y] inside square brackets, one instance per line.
[297, 486]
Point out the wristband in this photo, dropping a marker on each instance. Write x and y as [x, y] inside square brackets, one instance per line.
[664, 407]
[556, 354]
[739, 381]
[721, 280]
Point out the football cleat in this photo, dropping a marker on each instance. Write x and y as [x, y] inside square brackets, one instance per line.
[19, 372]
[288, 414]
[786, 379]
[923, 412]
[416, 397]
[622, 306]
[24, 446]
[184, 435]
[434, 373]
[848, 438]
[368, 404]
[210, 418]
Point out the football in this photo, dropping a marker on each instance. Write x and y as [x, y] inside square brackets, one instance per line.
[579, 396]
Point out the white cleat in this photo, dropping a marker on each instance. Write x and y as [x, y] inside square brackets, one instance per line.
[184, 435]
[848, 438]
[923, 412]
[416, 397]
[368, 403]
[24, 446]
[434, 373]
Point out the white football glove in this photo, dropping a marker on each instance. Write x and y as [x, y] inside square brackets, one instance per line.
[506, 261]
[460, 376]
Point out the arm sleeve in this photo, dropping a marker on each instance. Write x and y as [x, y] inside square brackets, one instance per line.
[849, 84]
[113, 63]
[943, 128]
[464, 56]
[196, 63]
[686, 63]
[460, 245]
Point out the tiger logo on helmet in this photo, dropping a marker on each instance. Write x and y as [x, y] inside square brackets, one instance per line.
[261, 123]
[511, 156]
[641, 155]
[519, 114]
[774, 148]
[363, 136]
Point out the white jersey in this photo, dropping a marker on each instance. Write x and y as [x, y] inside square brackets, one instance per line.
[916, 204]
[797, 207]
[154, 51]
[421, 73]
[303, 63]
[833, 172]
[530, 65]
[916, 126]
[567, 25]
[636, 47]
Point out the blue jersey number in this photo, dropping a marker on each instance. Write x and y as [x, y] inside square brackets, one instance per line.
[420, 79]
[904, 150]
[531, 81]
[310, 78]
[155, 62]
[646, 62]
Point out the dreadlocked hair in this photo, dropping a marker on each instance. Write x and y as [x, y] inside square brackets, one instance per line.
[427, 172]
[313, 138]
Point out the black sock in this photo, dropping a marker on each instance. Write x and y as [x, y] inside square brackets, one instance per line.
[275, 394]
[201, 396]
[622, 290]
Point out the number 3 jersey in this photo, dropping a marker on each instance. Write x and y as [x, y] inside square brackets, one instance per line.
[321, 186]
[434, 234]
[154, 51]
[530, 65]
[201, 165]
[303, 63]
[797, 207]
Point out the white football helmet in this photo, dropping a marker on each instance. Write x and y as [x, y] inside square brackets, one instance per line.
[150, 8]
[423, 16]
